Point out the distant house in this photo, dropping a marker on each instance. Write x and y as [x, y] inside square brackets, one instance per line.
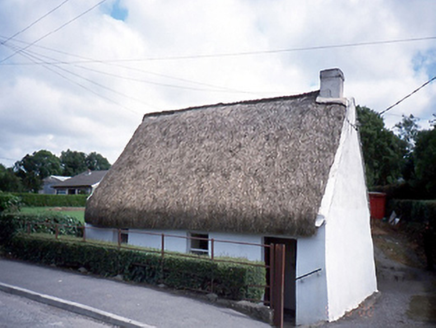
[283, 170]
[83, 183]
[47, 187]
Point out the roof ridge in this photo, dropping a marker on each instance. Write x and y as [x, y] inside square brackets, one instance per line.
[243, 102]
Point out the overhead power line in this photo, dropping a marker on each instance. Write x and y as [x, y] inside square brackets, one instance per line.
[30, 25]
[410, 94]
[50, 68]
[247, 53]
[206, 87]
[53, 31]
[218, 88]
[261, 52]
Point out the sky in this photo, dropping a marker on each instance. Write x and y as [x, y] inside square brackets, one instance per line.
[80, 74]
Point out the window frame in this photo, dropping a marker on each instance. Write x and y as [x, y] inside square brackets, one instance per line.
[199, 243]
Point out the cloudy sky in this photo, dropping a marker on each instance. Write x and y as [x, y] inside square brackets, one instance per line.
[80, 74]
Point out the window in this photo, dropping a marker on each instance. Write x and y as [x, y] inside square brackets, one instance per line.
[124, 236]
[199, 243]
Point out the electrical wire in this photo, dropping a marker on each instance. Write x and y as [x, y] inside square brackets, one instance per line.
[31, 57]
[90, 60]
[210, 87]
[250, 53]
[262, 52]
[30, 25]
[410, 94]
[54, 31]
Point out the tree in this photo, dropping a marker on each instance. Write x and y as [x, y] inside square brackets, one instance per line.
[73, 162]
[383, 151]
[425, 161]
[9, 181]
[42, 163]
[33, 168]
[407, 131]
[96, 162]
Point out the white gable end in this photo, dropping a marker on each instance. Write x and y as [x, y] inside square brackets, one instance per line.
[350, 268]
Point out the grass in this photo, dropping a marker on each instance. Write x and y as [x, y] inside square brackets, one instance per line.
[76, 212]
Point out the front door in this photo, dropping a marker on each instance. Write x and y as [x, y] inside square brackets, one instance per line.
[290, 273]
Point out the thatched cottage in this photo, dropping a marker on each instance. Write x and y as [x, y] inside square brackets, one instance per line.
[285, 170]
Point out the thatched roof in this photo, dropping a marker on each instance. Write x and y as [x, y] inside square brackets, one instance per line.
[250, 167]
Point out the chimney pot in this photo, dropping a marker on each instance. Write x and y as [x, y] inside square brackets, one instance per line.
[332, 83]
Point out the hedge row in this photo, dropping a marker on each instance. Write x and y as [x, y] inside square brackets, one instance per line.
[230, 280]
[414, 211]
[38, 200]
[9, 202]
[11, 223]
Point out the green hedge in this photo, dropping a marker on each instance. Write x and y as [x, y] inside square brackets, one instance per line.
[11, 223]
[9, 202]
[38, 200]
[414, 211]
[230, 280]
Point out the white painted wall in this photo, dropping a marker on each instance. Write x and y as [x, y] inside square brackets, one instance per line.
[311, 291]
[101, 234]
[349, 250]
[250, 252]
[174, 240]
[177, 241]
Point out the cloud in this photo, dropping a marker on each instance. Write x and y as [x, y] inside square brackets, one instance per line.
[97, 76]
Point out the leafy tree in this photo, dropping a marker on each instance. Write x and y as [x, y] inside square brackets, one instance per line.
[433, 121]
[9, 181]
[42, 163]
[96, 162]
[425, 161]
[383, 151]
[33, 168]
[73, 162]
[28, 173]
[407, 131]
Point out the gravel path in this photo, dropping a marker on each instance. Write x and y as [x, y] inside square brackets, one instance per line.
[407, 295]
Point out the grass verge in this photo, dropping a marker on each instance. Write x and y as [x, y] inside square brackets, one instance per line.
[76, 212]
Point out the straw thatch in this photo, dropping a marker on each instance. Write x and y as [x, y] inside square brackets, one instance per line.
[250, 167]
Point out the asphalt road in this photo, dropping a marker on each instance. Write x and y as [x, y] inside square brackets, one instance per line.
[19, 312]
[151, 306]
[407, 299]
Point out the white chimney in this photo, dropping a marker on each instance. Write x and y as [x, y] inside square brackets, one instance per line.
[332, 83]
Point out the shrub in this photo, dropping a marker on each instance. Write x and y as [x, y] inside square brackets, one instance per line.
[9, 202]
[8, 228]
[38, 200]
[413, 214]
[414, 211]
[231, 280]
[11, 223]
